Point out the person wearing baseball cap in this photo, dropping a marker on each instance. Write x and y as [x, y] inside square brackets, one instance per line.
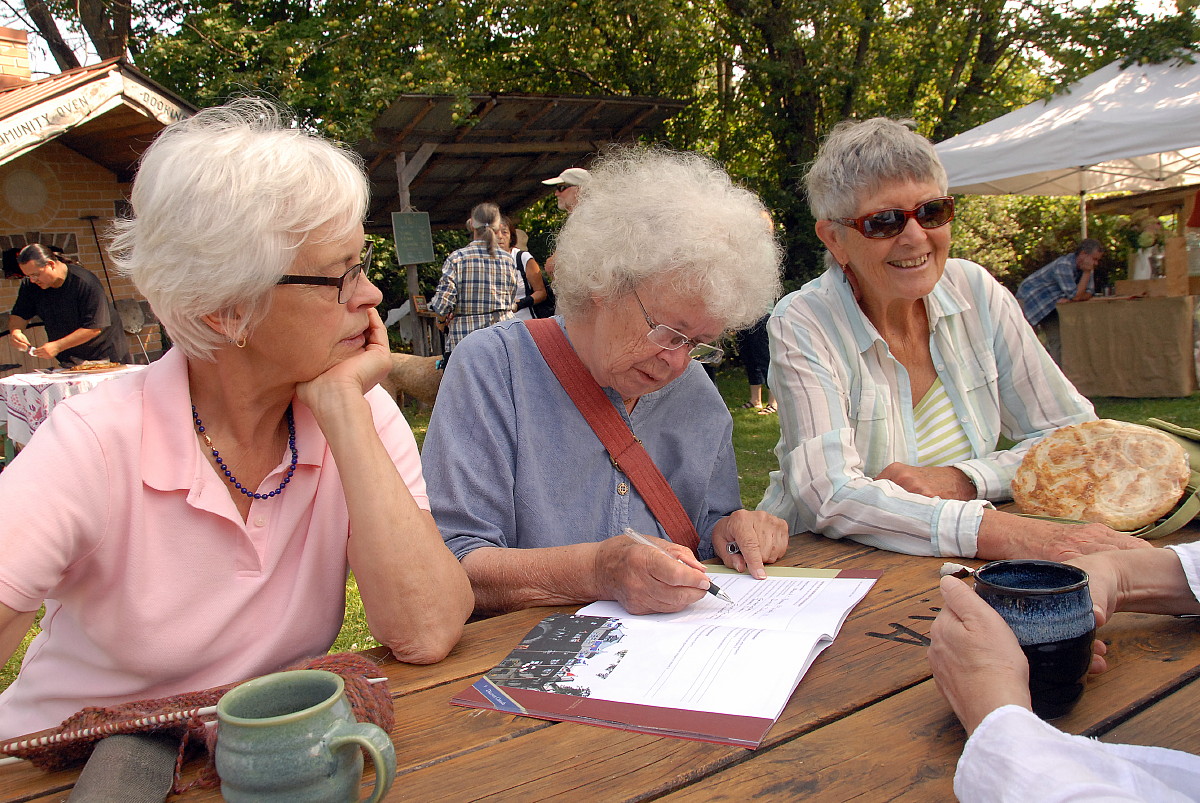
[566, 186]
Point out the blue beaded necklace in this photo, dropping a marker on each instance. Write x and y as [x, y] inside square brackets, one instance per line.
[291, 422]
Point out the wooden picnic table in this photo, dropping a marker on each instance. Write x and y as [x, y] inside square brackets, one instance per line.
[865, 722]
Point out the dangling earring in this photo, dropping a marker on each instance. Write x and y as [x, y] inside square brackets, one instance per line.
[849, 278]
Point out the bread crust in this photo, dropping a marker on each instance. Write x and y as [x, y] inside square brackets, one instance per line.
[1112, 472]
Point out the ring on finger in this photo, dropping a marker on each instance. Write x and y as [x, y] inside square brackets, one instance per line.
[733, 548]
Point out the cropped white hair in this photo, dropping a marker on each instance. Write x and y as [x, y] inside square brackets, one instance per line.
[222, 201]
[650, 213]
[860, 156]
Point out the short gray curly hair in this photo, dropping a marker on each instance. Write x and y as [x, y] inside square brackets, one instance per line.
[859, 157]
[652, 212]
[221, 203]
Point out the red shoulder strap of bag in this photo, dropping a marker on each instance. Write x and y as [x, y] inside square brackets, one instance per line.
[623, 447]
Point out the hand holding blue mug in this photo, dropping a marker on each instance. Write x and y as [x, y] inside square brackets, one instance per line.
[976, 661]
[1049, 609]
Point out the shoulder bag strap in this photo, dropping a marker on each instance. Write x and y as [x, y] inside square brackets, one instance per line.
[625, 450]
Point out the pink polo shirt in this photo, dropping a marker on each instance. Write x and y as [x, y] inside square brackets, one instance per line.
[153, 584]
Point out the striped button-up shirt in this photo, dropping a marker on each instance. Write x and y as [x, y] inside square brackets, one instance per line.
[480, 289]
[846, 410]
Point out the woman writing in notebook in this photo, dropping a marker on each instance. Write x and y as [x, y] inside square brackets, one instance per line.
[661, 256]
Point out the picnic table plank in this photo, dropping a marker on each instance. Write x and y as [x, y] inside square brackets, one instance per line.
[1167, 723]
[618, 765]
[846, 758]
[866, 720]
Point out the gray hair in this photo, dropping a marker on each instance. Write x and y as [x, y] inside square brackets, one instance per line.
[222, 201]
[859, 157]
[1087, 246]
[651, 212]
[485, 219]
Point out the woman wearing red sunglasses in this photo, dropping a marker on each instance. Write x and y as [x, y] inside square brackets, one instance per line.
[898, 370]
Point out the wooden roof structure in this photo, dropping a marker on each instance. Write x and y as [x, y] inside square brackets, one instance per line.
[109, 112]
[1170, 200]
[448, 154]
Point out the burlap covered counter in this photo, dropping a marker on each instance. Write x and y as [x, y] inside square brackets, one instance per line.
[1131, 347]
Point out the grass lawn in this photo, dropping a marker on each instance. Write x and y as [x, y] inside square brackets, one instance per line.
[754, 438]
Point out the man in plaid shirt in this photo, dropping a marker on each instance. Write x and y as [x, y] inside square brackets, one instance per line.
[1068, 278]
[479, 282]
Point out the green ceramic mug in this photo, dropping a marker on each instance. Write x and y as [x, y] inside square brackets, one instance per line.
[291, 736]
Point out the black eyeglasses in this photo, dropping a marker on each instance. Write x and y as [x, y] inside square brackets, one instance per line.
[346, 283]
[562, 187]
[889, 223]
[667, 338]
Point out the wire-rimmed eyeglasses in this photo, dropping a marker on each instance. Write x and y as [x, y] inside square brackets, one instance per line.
[346, 283]
[667, 338]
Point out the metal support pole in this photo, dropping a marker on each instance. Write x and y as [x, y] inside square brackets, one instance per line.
[91, 219]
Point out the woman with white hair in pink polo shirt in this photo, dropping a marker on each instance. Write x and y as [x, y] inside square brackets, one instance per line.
[192, 525]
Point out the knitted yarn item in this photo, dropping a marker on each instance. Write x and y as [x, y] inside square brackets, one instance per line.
[370, 703]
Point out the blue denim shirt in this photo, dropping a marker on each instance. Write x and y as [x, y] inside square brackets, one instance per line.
[510, 462]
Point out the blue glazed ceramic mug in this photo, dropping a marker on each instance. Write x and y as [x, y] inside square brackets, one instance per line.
[292, 737]
[1049, 608]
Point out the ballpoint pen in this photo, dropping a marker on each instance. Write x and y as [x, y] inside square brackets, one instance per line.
[713, 588]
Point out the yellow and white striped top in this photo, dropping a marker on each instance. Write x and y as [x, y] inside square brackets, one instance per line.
[941, 440]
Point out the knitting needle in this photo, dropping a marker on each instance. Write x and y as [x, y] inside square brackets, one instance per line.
[113, 727]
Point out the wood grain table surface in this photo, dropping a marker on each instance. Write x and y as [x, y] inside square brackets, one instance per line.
[866, 721]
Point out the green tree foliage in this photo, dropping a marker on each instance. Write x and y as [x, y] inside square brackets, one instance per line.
[1012, 236]
[764, 80]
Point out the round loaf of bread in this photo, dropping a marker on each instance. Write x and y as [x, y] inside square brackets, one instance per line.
[1112, 472]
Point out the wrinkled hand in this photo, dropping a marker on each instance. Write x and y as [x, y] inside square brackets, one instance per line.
[1066, 541]
[356, 374]
[645, 580]
[945, 482]
[976, 661]
[1103, 583]
[760, 537]
[1005, 535]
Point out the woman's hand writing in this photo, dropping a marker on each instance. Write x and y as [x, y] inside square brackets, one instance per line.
[646, 579]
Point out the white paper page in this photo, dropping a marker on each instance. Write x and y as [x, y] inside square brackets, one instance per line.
[795, 604]
[742, 671]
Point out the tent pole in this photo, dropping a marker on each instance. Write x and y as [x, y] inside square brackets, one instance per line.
[1082, 216]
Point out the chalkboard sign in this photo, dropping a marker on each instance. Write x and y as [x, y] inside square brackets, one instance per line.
[414, 240]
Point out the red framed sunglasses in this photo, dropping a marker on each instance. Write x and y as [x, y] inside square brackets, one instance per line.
[888, 223]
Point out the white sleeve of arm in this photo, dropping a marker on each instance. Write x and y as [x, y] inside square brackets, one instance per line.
[1189, 558]
[1015, 757]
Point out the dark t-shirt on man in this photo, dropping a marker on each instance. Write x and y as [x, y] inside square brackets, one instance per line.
[79, 304]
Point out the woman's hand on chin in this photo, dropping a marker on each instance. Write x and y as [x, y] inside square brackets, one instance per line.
[354, 375]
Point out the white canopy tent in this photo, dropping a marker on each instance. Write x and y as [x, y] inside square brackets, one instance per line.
[1117, 129]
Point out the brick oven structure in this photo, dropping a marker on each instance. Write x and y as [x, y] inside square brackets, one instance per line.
[69, 146]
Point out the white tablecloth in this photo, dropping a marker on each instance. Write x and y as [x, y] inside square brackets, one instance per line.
[29, 398]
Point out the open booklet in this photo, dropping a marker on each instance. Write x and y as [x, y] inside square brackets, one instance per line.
[714, 672]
